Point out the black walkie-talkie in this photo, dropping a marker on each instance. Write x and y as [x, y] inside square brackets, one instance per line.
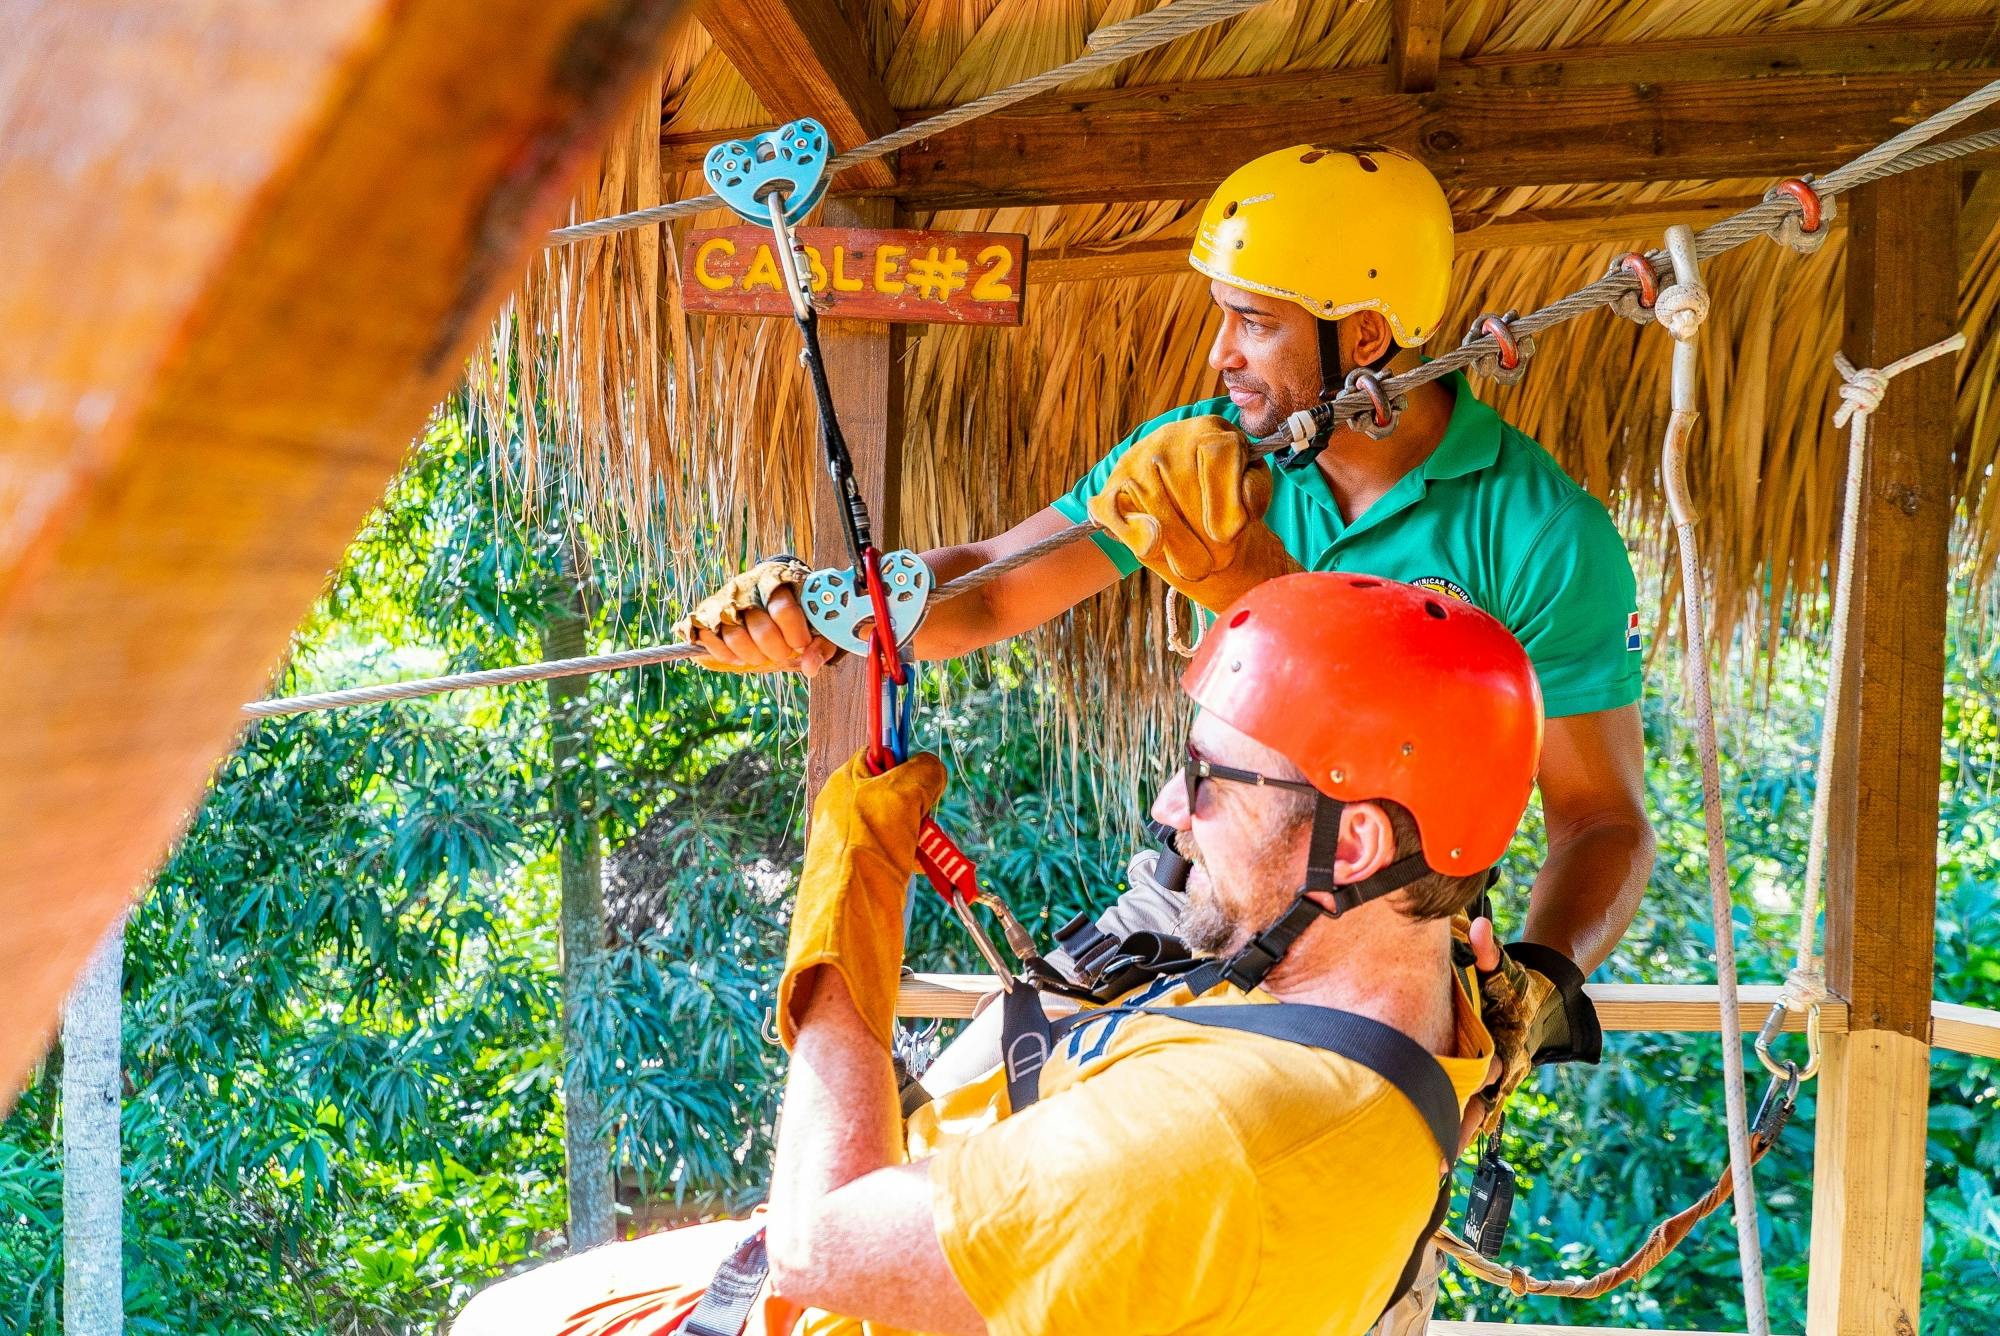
[1491, 1200]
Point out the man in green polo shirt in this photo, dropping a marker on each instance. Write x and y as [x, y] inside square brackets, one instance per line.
[1323, 261]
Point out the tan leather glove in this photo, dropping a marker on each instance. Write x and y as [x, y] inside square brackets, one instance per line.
[737, 595]
[849, 914]
[1528, 1016]
[1509, 999]
[1189, 502]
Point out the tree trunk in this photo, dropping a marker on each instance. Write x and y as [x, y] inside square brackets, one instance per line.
[574, 800]
[93, 1196]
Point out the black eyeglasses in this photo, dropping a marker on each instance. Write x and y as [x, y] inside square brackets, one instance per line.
[1196, 770]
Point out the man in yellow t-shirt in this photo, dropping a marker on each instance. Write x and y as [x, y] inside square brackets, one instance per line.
[1155, 1168]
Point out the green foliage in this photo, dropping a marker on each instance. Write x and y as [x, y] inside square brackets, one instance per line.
[342, 997]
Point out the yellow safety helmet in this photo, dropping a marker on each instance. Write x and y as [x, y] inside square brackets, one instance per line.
[1337, 230]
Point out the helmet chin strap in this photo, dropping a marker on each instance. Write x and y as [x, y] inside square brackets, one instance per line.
[1332, 378]
[1331, 374]
[1247, 968]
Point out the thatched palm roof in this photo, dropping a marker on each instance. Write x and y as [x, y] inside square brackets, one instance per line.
[701, 423]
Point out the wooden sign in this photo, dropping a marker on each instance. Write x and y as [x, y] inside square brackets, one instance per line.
[901, 274]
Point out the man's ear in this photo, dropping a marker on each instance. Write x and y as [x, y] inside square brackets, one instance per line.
[1367, 842]
[1364, 338]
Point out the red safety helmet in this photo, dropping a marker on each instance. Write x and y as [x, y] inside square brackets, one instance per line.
[1377, 689]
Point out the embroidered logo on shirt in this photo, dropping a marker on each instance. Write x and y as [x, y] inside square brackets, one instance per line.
[1632, 632]
[1438, 584]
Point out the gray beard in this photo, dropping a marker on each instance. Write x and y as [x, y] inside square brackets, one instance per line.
[1204, 925]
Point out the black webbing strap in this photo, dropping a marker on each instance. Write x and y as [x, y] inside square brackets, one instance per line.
[1398, 1059]
[1026, 1040]
[1405, 1064]
[724, 1309]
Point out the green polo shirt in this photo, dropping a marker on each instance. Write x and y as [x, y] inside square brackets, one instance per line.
[1489, 517]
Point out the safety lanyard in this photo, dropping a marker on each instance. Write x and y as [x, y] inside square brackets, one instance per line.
[777, 178]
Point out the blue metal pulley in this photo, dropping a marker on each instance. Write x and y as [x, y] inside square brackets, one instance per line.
[789, 161]
[837, 604]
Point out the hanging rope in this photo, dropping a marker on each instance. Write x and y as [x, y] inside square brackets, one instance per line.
[1103, 49]
[1682, 308]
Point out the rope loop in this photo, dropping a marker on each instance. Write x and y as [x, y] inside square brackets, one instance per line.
[1806, 230]
[1636, 306]
[1379, 420]
[1179, 644]
[1681, 308]
[1507, 361]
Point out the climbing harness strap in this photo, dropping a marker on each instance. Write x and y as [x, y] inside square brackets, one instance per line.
[726, 1305]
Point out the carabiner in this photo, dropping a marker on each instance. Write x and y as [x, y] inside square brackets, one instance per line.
[1775, 1022]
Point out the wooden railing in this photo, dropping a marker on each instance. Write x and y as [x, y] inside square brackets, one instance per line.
[1672, 1008]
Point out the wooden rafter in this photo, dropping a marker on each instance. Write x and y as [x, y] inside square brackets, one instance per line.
[805, 58]
[1416, 28]
[258, 242]
[1162, 143]
[1735, 106]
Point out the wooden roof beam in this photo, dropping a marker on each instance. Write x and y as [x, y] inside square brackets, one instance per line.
[805, 58]
[1762, 106]
[1416, 29]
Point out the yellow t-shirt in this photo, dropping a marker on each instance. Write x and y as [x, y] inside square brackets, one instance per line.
[1179, 1178]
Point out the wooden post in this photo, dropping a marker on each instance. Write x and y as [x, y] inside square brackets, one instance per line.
[864, 364]
[1868, 1171]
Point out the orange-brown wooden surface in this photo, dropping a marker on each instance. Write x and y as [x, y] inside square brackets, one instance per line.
[1715, 107]
[248, 246]
[805, 58]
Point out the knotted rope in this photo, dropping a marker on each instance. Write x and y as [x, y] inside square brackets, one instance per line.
[1861, 393]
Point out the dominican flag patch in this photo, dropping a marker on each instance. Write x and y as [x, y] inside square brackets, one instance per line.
[1632, 632]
